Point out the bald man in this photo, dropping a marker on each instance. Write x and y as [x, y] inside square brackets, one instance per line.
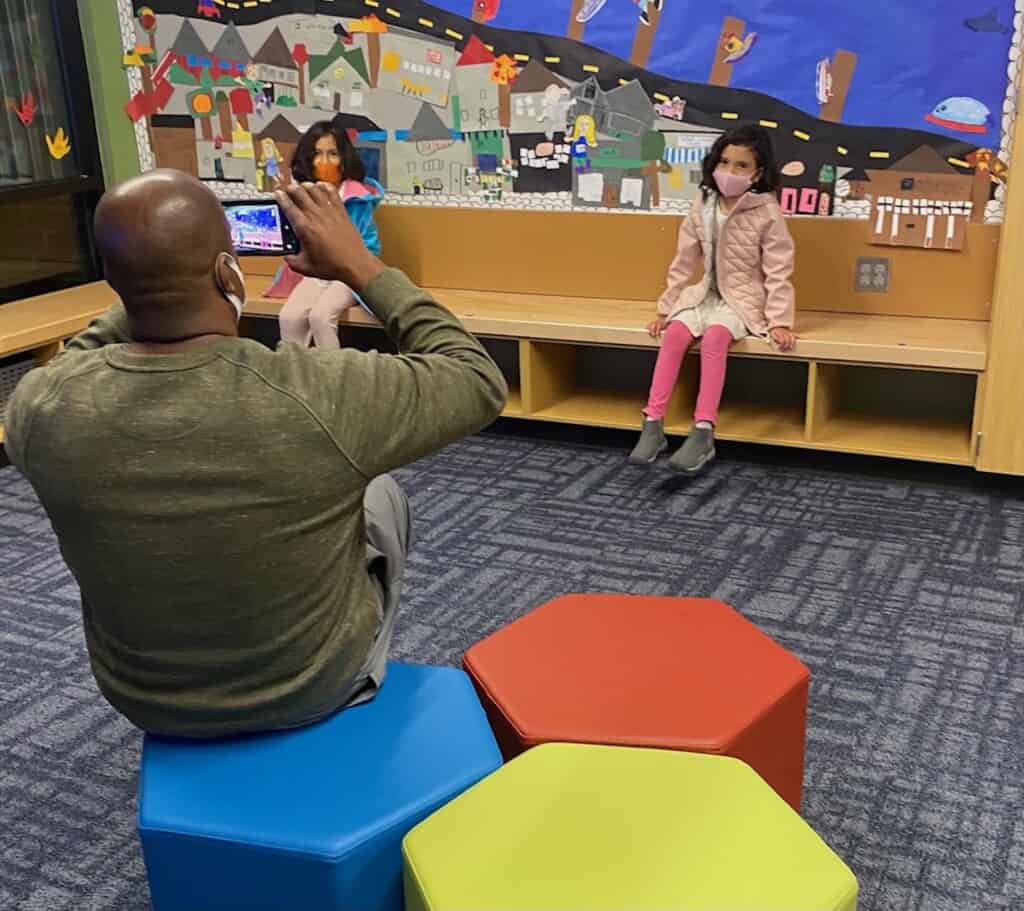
[224, 507]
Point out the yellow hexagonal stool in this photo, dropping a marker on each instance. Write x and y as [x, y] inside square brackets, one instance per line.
[574, 827]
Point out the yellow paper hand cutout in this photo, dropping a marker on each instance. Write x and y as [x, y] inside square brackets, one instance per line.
[60, 145]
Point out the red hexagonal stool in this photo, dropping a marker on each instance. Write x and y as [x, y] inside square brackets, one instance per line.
[676, 673]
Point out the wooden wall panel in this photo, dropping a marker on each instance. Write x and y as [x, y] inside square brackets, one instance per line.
[584, 254]
[1002, 439]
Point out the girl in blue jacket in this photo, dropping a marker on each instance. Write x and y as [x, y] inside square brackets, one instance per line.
[326, 154]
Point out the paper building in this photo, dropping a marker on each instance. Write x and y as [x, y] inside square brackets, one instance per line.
[339, 80]
[479, 95]
[921, 201]
[624, 110]
[418, 68]
[684, 154]
[370, 142]
[189, 47]
[544, 165]
[540, 101]
[428, 159]
[274, 67]
[617, 127]
[230, 51]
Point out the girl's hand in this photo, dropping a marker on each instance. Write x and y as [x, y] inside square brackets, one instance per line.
[784, 339]
[657, 326]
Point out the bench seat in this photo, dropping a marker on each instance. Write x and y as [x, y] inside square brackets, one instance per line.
[908, 341]
[943, 344]
[34, 323]
[835, 391]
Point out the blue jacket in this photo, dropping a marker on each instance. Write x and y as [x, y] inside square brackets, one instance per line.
[360, 199]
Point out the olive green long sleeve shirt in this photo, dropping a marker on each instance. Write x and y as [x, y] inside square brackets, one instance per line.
[210, 503]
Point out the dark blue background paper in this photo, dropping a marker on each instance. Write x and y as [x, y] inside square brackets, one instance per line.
[912, 54]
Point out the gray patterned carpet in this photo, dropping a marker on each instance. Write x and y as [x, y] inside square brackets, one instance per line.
[903, 592]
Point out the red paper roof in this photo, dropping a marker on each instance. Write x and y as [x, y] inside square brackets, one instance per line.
[475, 52]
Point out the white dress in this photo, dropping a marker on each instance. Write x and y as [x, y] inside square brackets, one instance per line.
[712, 310]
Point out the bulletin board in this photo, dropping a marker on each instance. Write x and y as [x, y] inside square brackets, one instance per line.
[605, 105]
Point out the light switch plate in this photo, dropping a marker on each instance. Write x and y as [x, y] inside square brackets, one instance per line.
[873, 274]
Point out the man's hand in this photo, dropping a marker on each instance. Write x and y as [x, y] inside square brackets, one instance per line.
[784, 339]
[330, 247]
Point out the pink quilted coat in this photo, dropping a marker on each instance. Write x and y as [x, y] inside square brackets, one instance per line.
[754, 263]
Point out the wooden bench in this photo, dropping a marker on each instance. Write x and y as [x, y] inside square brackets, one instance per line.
[882, 383]
[893, 375]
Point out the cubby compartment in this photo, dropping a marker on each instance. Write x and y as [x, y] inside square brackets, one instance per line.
[505, 352]
[764, 400]
[586, 384]
[891, 411]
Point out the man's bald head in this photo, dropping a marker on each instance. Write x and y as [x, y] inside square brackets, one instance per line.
[160, 236]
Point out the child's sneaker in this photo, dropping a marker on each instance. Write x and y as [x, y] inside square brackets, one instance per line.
[644, 18]
[696, 452]
[652, 443]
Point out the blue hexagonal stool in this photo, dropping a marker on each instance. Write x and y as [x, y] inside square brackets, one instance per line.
[310, 819]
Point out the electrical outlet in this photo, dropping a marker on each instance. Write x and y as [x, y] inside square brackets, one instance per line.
[873, 273]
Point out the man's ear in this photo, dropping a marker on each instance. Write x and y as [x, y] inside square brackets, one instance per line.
[227, 277]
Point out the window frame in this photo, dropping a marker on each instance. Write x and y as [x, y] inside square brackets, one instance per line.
[84, 189]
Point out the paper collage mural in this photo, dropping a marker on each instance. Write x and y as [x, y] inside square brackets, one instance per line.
[896, 110]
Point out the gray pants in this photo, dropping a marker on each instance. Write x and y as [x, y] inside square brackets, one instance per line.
[388, 535]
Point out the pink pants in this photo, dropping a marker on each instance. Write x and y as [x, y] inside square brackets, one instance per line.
[312, 311]
[675, 342]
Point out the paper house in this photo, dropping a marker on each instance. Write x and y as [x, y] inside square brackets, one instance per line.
[339, 80]
[478, 93]
[411, 66]
[274, 66]
[920, 201]
[684, 154]
[540, 100]
[430, 158]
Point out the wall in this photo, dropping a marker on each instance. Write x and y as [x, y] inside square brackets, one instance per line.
[101, 35]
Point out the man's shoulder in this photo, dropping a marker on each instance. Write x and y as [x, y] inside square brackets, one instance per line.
[40, 382]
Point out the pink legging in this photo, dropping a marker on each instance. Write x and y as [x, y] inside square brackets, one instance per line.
[312, 311]
[676, 341]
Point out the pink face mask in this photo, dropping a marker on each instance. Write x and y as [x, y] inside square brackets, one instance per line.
[731, 185]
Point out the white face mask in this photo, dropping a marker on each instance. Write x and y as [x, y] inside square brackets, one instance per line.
[236, 301]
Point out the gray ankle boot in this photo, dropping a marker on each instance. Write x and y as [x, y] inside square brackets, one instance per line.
[696, 452]
[652, 443]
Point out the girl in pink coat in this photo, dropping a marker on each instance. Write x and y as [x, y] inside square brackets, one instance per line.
[736, 230]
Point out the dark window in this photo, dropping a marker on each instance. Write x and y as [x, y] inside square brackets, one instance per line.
[371, 162]
[49, 161]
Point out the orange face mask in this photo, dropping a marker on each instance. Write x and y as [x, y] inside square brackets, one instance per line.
[327, 171]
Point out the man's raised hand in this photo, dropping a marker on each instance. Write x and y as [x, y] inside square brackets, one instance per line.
[330, 246]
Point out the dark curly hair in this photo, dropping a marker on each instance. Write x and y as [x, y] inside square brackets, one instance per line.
[751, 137]
[352, 167]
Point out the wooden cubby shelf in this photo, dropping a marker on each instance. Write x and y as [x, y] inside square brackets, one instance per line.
[912, 414]
[921, 414]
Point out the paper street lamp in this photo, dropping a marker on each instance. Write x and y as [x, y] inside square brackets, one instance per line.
[147, 19]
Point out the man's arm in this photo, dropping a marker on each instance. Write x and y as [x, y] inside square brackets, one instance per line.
[385, 411]
[110, 328]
